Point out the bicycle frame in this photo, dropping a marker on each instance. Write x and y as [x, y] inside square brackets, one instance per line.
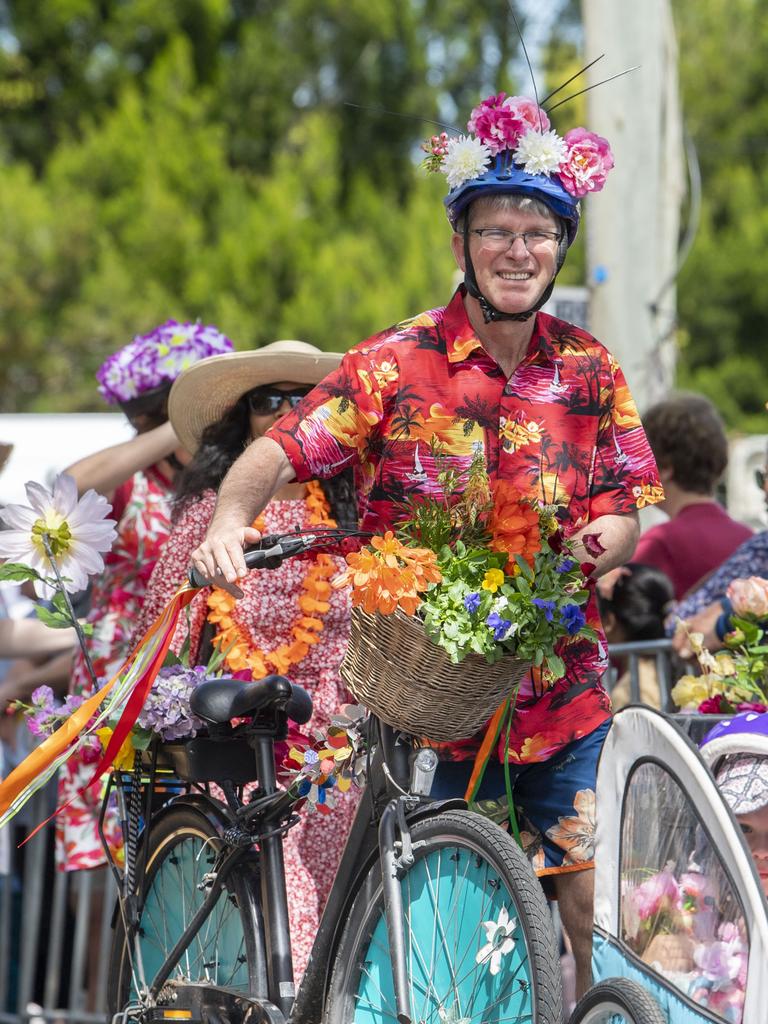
[385, 811]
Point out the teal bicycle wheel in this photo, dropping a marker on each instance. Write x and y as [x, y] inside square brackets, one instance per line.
[479, 941]
[228, 949]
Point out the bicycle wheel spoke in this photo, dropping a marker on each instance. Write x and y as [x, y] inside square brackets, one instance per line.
[467, 874]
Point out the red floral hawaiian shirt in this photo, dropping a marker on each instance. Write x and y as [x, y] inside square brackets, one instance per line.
[563, 428]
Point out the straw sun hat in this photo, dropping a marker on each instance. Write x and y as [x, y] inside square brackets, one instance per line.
[203, 393]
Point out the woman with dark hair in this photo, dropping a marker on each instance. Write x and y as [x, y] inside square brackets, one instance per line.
[288, 620]
[137, 477]
[634, 601]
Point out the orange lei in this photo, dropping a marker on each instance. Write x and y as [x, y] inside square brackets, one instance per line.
[312, 601]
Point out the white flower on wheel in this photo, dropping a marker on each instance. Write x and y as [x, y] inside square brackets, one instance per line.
[77, 531]
[500, 942]
[452, 1016]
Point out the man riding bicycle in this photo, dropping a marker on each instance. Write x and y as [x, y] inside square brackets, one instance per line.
[547, 405]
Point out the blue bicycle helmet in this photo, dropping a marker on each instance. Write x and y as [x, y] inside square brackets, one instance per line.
[505, 178]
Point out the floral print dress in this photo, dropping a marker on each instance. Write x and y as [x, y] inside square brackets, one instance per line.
[266, 614]
[142, 508]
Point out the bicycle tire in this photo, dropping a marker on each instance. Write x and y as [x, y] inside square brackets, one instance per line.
[229, 948]
[455, 983]
[617, 1001]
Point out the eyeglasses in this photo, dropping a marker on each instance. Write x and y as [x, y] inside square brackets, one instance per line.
[267, 400]
[760, 478]
[499, 239]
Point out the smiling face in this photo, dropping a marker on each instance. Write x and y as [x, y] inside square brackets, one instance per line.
[512, 280]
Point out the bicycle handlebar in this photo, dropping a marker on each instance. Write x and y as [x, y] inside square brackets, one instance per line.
[282, 546]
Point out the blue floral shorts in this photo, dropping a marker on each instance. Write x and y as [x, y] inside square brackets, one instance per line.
[554, 802]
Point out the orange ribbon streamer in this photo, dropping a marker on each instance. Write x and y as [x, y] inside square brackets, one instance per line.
[33, 771]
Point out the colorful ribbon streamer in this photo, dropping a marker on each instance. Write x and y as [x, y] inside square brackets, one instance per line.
[127, 689]
[505, 710]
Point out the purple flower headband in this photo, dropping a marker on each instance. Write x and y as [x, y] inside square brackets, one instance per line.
[157, 358]
[519, 129]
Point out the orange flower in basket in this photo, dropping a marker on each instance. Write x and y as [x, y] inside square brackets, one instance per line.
[514, 525]
[389, 575]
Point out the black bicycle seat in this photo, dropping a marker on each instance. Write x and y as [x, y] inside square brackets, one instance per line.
[219, 700]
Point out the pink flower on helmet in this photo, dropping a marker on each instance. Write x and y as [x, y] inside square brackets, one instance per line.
[749, 597]
[588, 160]
[530, 113]
[496, 125]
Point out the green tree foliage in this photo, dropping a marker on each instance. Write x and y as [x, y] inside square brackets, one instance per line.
[197, 158]
[722, 296]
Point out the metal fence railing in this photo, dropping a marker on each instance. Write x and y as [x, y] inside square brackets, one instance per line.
[632, 654]
[55, 930]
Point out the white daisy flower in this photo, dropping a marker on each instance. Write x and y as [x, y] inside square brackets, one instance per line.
[465, 158]
[500, 942]
[540, 152]
[78, 533]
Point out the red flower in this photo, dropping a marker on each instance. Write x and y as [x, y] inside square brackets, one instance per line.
[712, 705]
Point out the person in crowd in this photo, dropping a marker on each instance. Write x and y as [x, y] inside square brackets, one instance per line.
[137, 477]
[288, 620]
[689, 443]
[634, 601]
[546, 404]
[706, 608]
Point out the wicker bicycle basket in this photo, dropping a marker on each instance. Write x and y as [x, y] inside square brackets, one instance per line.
[393, 668]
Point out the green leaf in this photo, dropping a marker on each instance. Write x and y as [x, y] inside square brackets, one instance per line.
[17, 572]
[556, 665]
[54, 619]
[171, 659]
[141, 738]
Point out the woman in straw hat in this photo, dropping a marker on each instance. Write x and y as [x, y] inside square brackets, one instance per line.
[288, 620]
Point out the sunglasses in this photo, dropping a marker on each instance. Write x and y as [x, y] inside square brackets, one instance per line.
[267, 400]
[760, 478]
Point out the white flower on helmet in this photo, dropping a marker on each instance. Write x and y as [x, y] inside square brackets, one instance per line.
[540, 152]
[465, 158]
[78, 532]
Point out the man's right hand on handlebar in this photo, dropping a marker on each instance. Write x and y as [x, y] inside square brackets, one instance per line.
[220, 557]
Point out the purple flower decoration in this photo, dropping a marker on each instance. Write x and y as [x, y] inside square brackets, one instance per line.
[472, 603]
[548, 607]
[166, 710]
[572, 617]
[566, 565]
[157, 358]
[499, 626]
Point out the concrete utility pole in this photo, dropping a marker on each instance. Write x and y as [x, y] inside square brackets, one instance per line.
[633, 225]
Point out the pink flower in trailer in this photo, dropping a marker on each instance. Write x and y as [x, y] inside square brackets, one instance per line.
[587, 163]
[659, 893]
